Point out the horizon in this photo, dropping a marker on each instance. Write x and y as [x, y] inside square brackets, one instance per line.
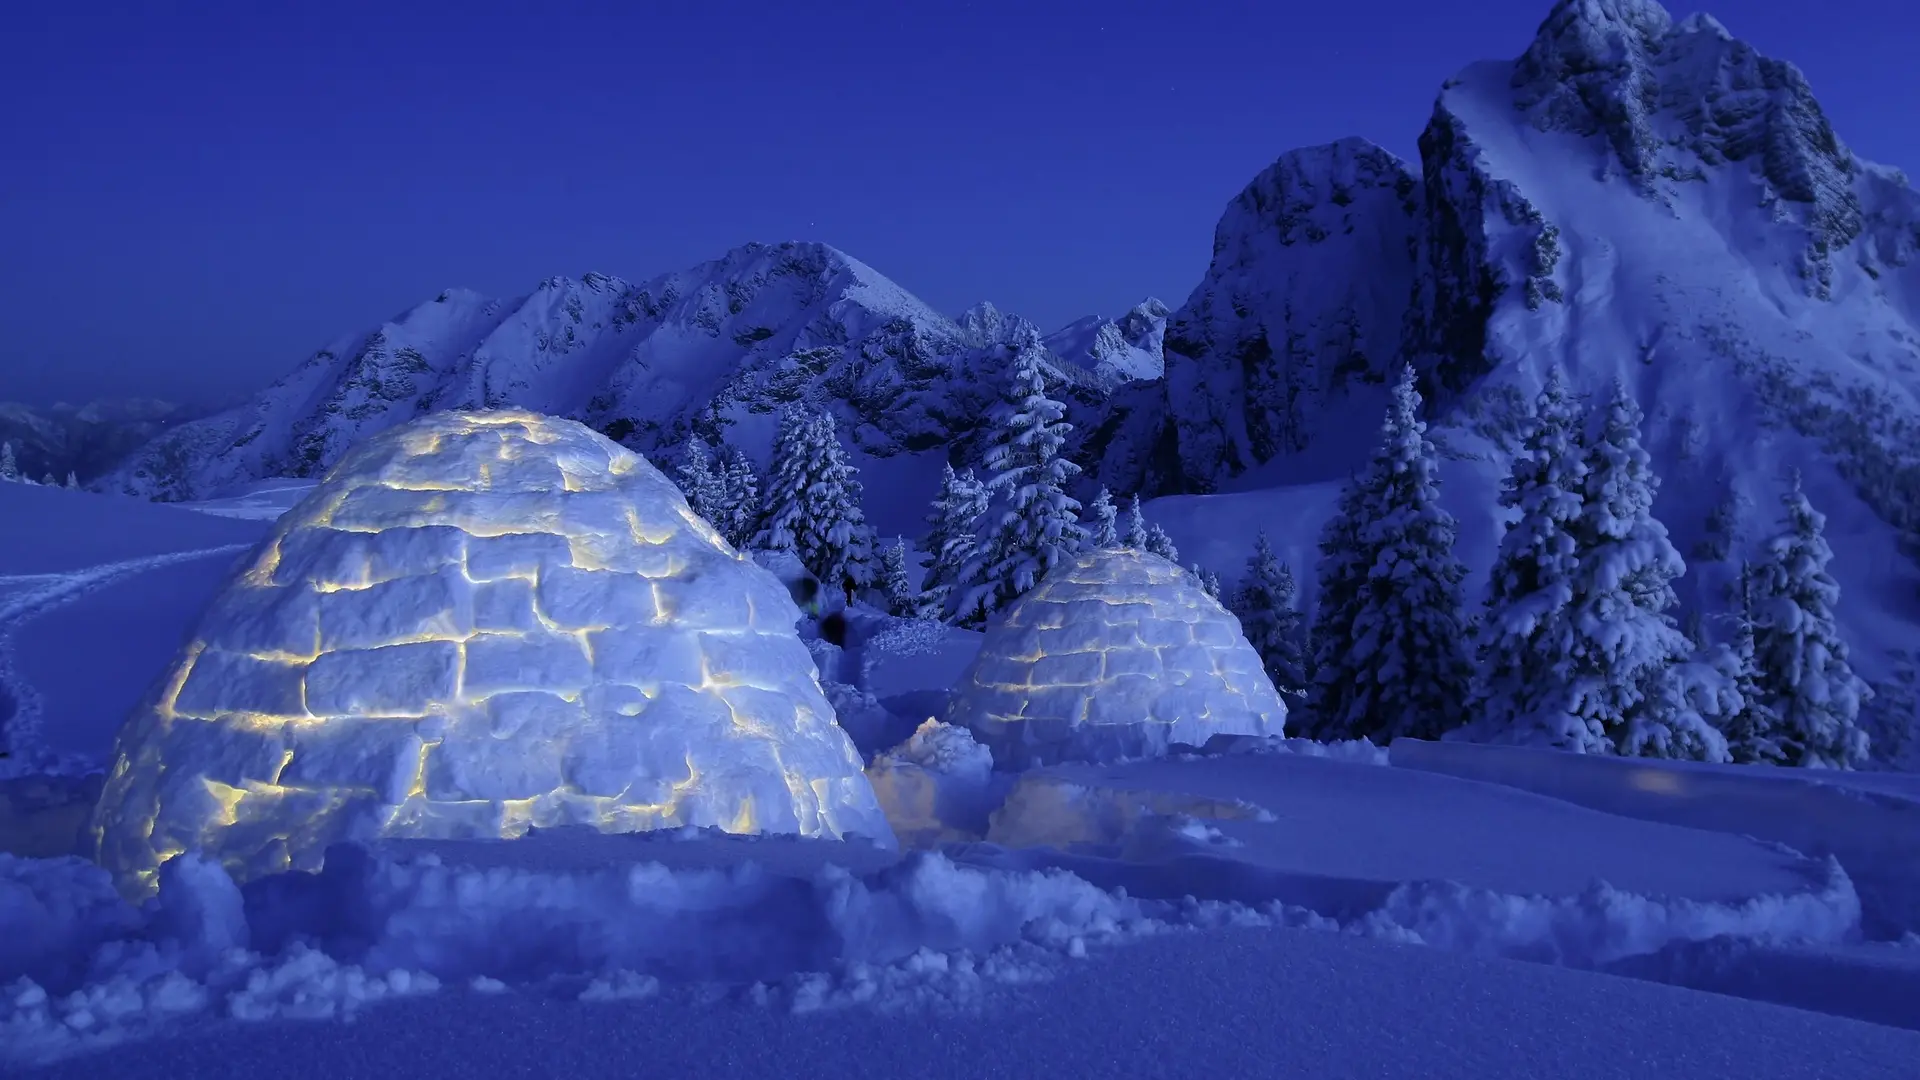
[263, 183]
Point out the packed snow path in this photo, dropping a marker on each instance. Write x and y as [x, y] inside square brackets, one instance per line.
[25, 597]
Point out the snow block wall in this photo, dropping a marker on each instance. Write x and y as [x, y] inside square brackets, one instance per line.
[1116, 654]
[477, 623]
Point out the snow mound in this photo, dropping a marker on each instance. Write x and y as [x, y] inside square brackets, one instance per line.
[1116, 654]
[938, 786]
[477, 623]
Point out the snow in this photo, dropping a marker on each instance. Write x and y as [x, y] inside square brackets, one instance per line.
[1215, 879]
[478, 623]
[1262, 906]
[1116, 653]
[1115, 351]
[1870, 824]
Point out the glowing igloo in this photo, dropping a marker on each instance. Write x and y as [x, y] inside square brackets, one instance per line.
[480, 622]
[1116, 654]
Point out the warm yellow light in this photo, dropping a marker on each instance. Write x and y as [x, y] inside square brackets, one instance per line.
[417, 701]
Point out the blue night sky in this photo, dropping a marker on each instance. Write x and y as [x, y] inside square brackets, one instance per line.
[191, 204]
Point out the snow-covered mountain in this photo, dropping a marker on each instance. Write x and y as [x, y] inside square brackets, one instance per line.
[1115, 350]
[88, 439]
[724, 343]
[1633, 198]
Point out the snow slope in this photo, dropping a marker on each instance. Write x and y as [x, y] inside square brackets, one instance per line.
[96, 593]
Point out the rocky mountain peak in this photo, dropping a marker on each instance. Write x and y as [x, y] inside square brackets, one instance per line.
[1677, 101]
[1309, 195]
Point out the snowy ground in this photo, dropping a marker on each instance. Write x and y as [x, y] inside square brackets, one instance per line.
[1284, 910]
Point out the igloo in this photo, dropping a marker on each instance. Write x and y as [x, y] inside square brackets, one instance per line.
[477, 623]
[1118, 653]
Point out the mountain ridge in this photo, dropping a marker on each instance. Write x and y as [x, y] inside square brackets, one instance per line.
[695, 350]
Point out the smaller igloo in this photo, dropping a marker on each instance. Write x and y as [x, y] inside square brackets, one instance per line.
[477, 623]
[1116, 654]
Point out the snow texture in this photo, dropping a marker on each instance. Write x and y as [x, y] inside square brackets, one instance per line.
[1117, 653]
[477, 623]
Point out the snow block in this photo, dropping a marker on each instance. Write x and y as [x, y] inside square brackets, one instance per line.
[1875, 834]
[1116, 654]
[479, 623]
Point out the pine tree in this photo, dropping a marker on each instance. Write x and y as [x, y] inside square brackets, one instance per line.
[1803, 672]
[1264, 604]
[1389, 658]
[1523, 692]
[1723, 526]
[957, 511]
[1151, 539]
[1209, 581]
[73, 481]
[700, 484]
[9, 468]
[1136, 537]
[1102, 514]
[739, 484]
[47, 480]
[1752, 730]
[901, 599]
[1625, 647]
[813, 502]
[1159, 543]
[1038, 523]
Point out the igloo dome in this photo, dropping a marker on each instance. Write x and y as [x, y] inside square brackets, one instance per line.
[477, 623]
[1115, 654]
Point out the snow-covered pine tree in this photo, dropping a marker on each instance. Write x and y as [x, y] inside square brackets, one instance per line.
[1159, 543]
[1038, 524]
[739, 483]
[1389, 654]
[73, 481]
[1752, 730]
[901, 599]
[9, 468]
[1101, 517]
[1151, 539]
[1209, 581]
[1625, 645]
[1136, 537]
[1264, 604]
[700, 484]
[1523, 690]
[813, 502]
[1802, 662]
[955, 519]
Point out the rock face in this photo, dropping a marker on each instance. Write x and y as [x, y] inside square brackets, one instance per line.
[1116, 654]
[477, 623]
[1631, 185]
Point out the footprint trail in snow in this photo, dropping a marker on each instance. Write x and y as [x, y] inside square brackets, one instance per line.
[25, 597]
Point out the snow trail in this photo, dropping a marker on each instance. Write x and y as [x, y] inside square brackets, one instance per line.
[24, 597]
